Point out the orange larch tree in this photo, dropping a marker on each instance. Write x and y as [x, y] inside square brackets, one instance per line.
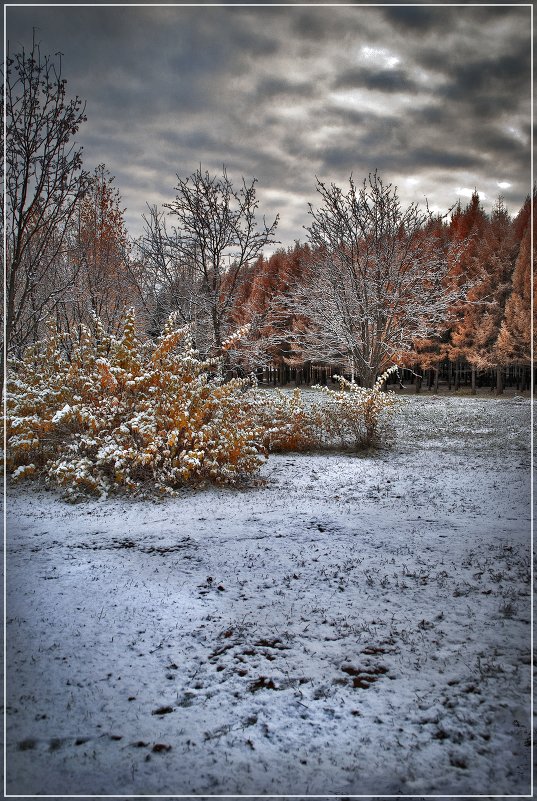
[500, 249]
[513, 345]
[467, 230]
[263, 301]
[497, 251]
[99, 255]
[428, 353]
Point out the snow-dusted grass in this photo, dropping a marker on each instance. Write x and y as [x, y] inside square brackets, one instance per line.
[357, 625]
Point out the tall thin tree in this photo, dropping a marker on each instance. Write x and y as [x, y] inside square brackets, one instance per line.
[44, 182]
[217, 232]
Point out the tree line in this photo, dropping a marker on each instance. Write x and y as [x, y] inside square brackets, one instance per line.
[375, 284]
[453, 305]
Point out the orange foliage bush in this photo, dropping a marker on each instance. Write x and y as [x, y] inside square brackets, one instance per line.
[112, 412]
[124, 413]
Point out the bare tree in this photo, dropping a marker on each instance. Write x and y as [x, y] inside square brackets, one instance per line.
[217, 236]
[167, 279]
[376, 280]
[44, 182]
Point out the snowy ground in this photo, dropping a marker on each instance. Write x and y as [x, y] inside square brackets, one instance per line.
[358, 625]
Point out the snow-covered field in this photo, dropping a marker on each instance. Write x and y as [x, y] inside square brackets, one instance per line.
[356, 625]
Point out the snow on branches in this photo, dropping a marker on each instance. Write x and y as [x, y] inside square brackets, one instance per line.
[117, 412]
[351, 417]
[376, 279]
[357, 416]
[108, 412]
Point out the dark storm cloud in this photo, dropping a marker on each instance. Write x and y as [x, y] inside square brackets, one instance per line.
[439, 157]
[509, 73]
[411, 19]
[385, 80]
[435, 97]
[277, 88]
[424, 156]
[312, 26]
[491, 142]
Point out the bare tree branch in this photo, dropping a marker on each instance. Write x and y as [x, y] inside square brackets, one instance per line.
[44, 182]
[376, 280]
[217, 235]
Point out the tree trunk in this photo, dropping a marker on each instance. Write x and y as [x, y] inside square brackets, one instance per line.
[499, 381]
[472, 370]
[419, 379]
[457, 375]
[2, 367]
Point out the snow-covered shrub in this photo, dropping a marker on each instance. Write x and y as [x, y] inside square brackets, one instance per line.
[122, 412]
[290, 423]
[354, 416]
[350, 417]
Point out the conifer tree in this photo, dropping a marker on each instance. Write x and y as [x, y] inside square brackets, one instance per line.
[513, 345]
[466, 230]
[99, 256]
[478, 330]
[266, 302]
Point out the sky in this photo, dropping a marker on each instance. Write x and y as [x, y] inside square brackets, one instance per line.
[436, 98]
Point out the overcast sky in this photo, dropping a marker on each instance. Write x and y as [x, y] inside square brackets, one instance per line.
[436, 98]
